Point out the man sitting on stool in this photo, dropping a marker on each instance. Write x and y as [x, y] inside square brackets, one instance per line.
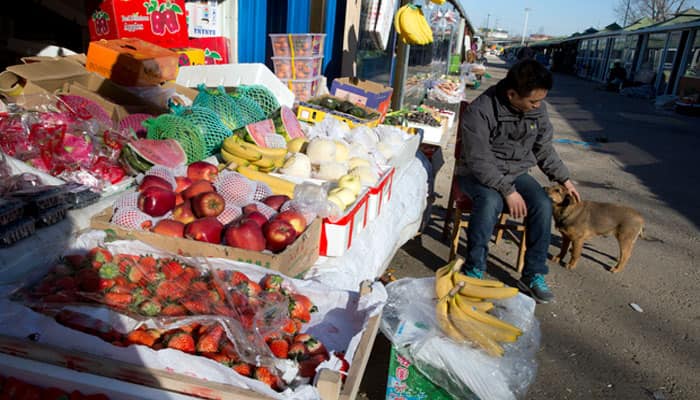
[506, 131]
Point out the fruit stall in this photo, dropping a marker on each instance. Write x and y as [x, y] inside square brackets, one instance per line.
[180, 231]
[198, 239]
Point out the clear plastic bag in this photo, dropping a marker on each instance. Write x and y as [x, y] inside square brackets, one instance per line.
[409, 321]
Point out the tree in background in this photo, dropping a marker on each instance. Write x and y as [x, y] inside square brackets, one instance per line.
[631, 10]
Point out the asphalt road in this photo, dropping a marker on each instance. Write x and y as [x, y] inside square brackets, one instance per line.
[594, 344]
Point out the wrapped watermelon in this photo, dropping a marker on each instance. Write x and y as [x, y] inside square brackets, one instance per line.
[141, 155]
[287, 124]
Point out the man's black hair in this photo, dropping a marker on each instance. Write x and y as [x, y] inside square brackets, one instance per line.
[526, 76]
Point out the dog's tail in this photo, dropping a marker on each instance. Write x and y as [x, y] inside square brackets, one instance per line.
[644, 236]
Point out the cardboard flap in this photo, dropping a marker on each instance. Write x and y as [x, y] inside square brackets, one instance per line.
[48, 70]
[367, 86]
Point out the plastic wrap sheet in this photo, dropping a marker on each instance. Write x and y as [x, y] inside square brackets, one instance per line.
[339, 324]
[465, 372]
[374, 247]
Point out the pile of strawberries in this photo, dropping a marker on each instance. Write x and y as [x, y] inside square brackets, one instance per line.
[13, 388]
[167, 287]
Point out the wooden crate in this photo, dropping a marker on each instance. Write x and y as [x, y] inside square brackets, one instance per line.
[329, 383]
[294, 261]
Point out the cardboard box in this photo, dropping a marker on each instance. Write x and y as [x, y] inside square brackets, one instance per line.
[337, 236]
[366, 93]
[162, 22]
[293, 261]
[233, 75]
[189, 56]
[310, 112]
[68, 76]
[380, 194]
[176, 386]
[48, 375]
[405, 382]
[204, 19]
[132, 62]
[216, 49]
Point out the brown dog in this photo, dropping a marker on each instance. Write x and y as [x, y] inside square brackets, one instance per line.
[580, 221]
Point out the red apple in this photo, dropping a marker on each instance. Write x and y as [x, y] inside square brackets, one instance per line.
[202, 170]
[257, 217]
[183, 213]
[183, 183]
[169, 227]
[295, 219]
[156, 201]
[249, 209]
[245, 235]
[208, 204]
[205, 230]
[196, 188]
[278, 235]
[152, 180]
[178, 199]
[276, 200]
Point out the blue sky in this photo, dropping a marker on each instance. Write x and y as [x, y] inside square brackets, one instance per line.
[553, 17]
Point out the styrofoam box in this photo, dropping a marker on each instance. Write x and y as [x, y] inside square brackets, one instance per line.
[337, 235]
[48, 375]
[232, 75]
[431, 134]
[380, 194]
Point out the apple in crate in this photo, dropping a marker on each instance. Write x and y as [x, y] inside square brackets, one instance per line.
[257, 217]
[294, 218]
[207, 229]
[152, 180]
[182, 183]
[197, 187]
[202, 170]
[245, 234]
[169, 227]
[183, 213]
[276, 200]
[278, 235]
[208, 204]
[156, 201]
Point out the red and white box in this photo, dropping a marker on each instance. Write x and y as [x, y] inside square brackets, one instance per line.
[161, 22]
[216, 49]
[205, 18]
[337, 235]
[380, 194]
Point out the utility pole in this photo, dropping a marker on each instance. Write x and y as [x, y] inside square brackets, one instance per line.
[522, 39]
[488, 18]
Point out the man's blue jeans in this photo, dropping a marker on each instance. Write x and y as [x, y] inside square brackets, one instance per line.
[487, 207]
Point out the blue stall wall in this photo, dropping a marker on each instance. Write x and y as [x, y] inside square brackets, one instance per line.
[252, 31]
[298, 12]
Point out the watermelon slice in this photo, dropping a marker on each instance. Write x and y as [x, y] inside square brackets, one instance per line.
[257, 131]
[166, 152]
[287, 124]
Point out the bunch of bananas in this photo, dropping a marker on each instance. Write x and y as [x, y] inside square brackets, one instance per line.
[411, 25]
[462, 312]
[236, 150]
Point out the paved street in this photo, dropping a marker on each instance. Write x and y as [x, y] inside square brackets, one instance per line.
[594, 344]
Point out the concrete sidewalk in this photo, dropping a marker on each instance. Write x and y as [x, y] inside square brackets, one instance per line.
[594, 345]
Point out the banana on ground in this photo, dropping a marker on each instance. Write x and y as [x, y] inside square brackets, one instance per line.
[462, 314]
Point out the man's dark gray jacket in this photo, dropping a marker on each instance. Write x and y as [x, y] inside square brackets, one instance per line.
[499, 144]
